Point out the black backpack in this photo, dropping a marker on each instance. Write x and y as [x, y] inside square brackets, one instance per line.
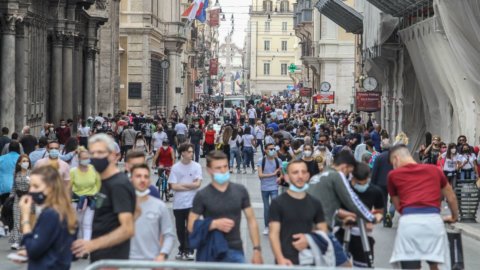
[264, 160]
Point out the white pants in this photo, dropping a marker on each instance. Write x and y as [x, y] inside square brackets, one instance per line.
[85, 220]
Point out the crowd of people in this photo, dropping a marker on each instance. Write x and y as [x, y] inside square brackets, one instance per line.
[83, 191]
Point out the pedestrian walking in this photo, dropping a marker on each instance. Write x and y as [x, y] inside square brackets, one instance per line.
[7, 170]
[53, 160]
[416, 191]
[249, 143]
[85, 183]
[185, 179]
[47, 244]
[154, 237]
[20, 187]
[113, 222]
[270, 174]
[136, 158]
[226, 215]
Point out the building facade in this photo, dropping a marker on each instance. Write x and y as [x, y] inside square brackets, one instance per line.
[157, 57]
[48, 56]
[327, 53]
[271, 46]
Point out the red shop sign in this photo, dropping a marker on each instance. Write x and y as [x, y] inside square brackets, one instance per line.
[369, 101]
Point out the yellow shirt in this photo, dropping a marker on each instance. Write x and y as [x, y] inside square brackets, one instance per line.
[85, 183]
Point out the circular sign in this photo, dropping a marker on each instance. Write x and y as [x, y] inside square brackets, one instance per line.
[165, 64]
[370, 83]
[325, 86]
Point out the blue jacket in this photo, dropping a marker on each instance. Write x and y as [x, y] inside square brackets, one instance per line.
[49, 244]
[211, 246]
[7, 170]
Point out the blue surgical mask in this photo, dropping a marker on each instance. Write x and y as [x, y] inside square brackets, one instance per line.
[272, 152]
[361, 188]
[54, 153]
[84, 162]
[297, 189]
[221, 178]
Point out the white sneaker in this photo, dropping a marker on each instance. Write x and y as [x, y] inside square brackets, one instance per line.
[189, 256]
[266, 231]
[15, 246]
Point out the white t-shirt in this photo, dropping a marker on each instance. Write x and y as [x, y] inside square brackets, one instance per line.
[470, 161]
[259, 133]
[84, 131]
[182, 174]
[247, 140]
[233, 142]
[251, 113]
[279, 114]
[451, 164]
[158, 138]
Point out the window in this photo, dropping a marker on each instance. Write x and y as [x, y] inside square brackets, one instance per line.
[266, 68]
[284, 26]
[134, 90]
[284, 69]
[284, 6]
[284, 46]
[267, 26]
[267, 6]
[266, 45]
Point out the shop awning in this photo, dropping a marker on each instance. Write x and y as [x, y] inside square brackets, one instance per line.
[396, 7]
[342, 14]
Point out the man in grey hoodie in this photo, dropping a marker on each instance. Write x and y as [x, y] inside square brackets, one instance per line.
[334, 191]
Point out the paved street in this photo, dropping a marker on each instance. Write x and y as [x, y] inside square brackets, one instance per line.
[383, 248]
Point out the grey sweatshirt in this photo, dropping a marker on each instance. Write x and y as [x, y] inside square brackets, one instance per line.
[334, 191]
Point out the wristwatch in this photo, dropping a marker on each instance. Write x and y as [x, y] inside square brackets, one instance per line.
[259, 248]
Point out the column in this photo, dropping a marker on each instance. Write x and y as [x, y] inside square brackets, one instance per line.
[56, 97]
[174, 99]
[20, 74]
[89, 87]
[67, 95]
[78, 78]
[7, 81]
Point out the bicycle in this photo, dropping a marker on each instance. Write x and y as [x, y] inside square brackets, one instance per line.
[162, 183]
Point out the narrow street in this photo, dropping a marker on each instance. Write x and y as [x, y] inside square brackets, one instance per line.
[384, 237]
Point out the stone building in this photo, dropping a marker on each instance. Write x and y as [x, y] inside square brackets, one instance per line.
[153, 33]
[48, 54]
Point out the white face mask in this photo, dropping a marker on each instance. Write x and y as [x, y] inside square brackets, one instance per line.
[453, 151]
[307, 153]
[165, 147]
[25, 165]
[142, 193]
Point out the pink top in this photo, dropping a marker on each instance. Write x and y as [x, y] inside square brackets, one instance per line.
[64, 168]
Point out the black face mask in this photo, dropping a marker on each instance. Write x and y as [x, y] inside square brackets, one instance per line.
[38, 197]
[100, 164]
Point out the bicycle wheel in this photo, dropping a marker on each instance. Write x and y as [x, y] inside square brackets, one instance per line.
[165, 188]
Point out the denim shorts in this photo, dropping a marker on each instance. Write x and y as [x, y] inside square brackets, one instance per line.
[340, 255]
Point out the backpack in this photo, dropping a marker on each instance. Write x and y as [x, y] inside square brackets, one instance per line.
[264, 160]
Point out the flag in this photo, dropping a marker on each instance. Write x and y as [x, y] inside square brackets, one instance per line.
[193, 10]
[202, 11]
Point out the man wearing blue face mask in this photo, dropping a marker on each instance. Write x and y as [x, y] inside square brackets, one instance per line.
[372, 197]
[222, 202]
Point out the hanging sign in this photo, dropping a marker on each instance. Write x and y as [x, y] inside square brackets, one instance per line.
[369, 101]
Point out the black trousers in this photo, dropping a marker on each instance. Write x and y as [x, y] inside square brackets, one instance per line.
[181, 220]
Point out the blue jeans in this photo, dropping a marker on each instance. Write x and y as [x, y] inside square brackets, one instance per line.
[267, 197]
[234, 256]
[467, 174]
[235, 154]
[260, 143]
[248, 157]
[197, 152]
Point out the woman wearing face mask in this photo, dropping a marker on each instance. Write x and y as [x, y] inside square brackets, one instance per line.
[68, 153]
[307, 156]
[50, 132]
[451, 162]
[249, 143]
[19, 188]
[320, 162]
[85, 185]
[468, 164]
[47, 245]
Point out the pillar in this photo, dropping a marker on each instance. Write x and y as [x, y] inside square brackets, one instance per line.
[174, 99]
[7, 72]
[67, 95]
[89, 87]
[56, 97]
[78, 78]
[20, 81]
